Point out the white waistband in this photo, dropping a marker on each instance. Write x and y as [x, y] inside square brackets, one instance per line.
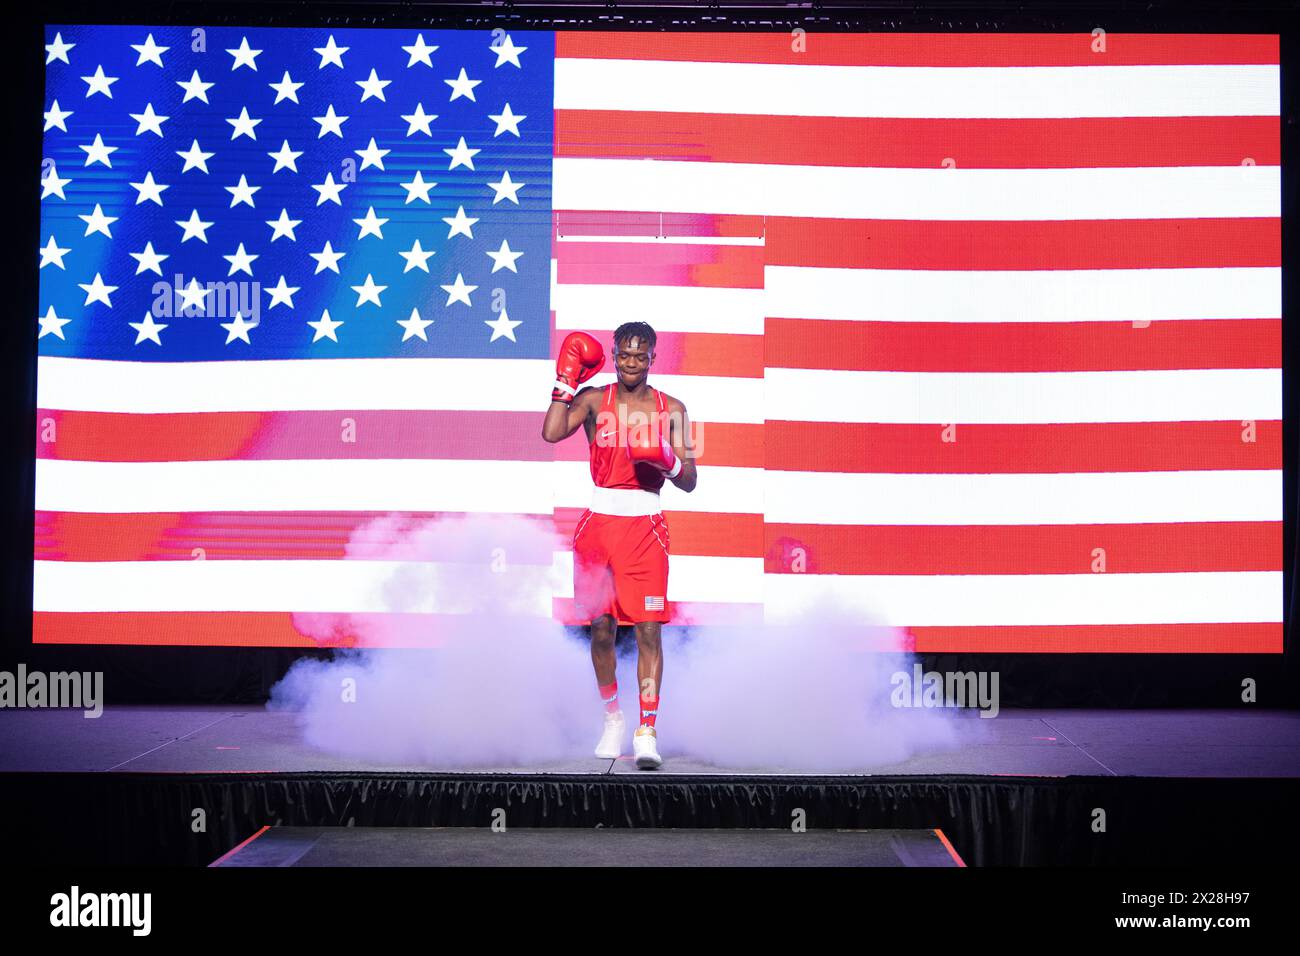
[626, 502]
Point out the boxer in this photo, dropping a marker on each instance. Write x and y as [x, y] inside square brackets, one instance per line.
[637, 439]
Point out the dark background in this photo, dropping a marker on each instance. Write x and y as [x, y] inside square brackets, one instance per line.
[243, 675]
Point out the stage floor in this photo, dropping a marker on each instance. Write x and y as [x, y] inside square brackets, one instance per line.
[1049, 743]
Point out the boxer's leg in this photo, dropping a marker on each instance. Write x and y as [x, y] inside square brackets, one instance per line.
[649, 669]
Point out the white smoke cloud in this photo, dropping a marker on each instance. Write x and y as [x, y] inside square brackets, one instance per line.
[483, 678]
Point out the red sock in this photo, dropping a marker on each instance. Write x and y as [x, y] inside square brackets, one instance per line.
[649, 710]
[609, 694]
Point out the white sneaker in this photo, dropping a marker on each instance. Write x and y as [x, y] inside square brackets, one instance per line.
[611, 740]
[645, 746]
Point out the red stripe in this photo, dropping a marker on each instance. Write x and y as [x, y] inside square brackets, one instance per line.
[922, 49]
[731, 355]
[742, 615]
[1263, 638]
[264, 535]
[1041, 143]
[636, 224]
[347, 433]
[276, 629]
[712, 534]
[1023, 549]
[665, 264]
[1087, 447]
[996, 245]
[1023, 346]
[716, 443]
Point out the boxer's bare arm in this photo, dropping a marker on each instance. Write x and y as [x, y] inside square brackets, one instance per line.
[679, 436]
[563, 420]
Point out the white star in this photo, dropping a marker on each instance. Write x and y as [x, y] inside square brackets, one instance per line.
[99, 83]
[241, 192]
[331, 122]
[194, 298]
[372, 87]
[149, 120]
[419, 120]
[416, 258]
[331, 54]
[417, 188]
[148, 329]
[372, 155]
[238, 329]
[149, 260]
[329, 190]
[51, 252]
[506, 189]
[462, 155]
[507, 52]
[371, 225]
[51, 323]
[149, 191]
[502, 327]
[58, 50]
[458, 291]
[97, 291]
[327, 258]
[414, 326]
[284, 226]
[97, 152]
[460, 223]
[149, 51]
[369, 292]
[506, 120]
[243, 125]
[98, 222]
[193, 227]
[194, 158]
[51, 184]
[240, 261]
[462, 86]
[244, 56]
[282, 294]
[419, 52]
[286, 89]
[286, 158]
[503, 258]
[195, 88]
[55, 117]
[325, 327]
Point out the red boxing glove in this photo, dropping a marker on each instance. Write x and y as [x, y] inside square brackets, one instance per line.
[641, 446]
[580, 358]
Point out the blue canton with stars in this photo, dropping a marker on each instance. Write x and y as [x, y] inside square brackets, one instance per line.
[231, 193]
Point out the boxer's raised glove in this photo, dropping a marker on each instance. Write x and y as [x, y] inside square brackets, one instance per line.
[580, 358]
[645, 445]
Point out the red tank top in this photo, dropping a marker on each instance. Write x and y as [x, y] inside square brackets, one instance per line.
[610, 466]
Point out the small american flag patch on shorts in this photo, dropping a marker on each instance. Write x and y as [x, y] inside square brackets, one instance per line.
[654, 603]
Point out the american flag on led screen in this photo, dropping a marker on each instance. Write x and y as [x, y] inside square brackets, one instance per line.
[982, 334]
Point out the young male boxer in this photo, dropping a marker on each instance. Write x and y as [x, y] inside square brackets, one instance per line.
[637, 438]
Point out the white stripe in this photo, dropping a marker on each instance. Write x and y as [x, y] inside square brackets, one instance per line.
[721, 488]
[1045, 295]
[905, 600]
[691, 577]
[1020, 499]
[656, 238]
[919, 91]
[329, 586]
[708, 398]
[1187, 395]
[667, 308]
[846, 192]
[522, 385]
[294, 485]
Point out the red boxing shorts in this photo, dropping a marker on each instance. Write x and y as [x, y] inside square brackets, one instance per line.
[620, 565]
